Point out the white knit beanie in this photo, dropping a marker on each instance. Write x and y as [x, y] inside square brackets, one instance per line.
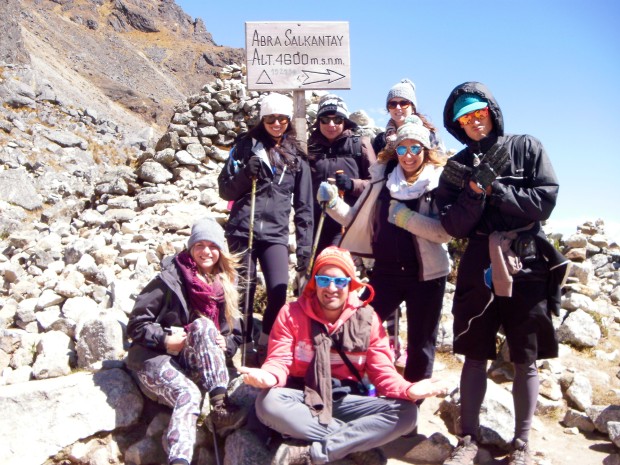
[276, 104]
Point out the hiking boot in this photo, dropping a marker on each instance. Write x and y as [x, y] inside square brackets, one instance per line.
[292, 453]
[464, 453]
[369, 457]
[224, 418]
[520, 454]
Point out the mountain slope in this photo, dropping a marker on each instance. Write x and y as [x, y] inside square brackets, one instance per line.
[131, 57]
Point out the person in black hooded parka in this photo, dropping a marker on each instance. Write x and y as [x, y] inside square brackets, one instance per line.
[496, 192]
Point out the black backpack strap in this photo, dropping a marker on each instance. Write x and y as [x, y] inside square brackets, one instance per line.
[357, 146]
[346, 360]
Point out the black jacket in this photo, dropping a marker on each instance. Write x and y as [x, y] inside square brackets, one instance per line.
[351, 153]
[273, 200]
[524, 193]
[163, 304]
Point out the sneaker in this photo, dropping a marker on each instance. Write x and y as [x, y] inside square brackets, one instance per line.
[464, 453]
[520, 454]
[224, 418]
[292, 453]
[370, 457]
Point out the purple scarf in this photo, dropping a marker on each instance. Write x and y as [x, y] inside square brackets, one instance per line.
[203, 298]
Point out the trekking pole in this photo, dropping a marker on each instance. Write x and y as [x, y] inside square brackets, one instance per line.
[315, 244]
[396, 334]
[247, 312]
[341, 194]
[317, 234]
[216, 448]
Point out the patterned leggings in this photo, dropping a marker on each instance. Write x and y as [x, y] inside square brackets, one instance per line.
[177, 383]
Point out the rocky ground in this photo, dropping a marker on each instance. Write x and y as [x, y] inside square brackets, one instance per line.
[553, 443]
[89, 209]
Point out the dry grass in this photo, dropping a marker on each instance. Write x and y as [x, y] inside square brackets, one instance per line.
[449, 360]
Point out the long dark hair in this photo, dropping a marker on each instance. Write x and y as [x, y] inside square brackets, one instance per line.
[289, 148]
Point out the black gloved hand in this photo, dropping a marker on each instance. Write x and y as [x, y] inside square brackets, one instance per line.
[253, 167]
[498, 158]
[495, 161]
[456, 174]
[344, 182]
[302, 264]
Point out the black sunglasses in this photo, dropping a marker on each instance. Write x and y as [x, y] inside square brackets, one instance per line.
[328, 119]
[270, 119]
[392, 104]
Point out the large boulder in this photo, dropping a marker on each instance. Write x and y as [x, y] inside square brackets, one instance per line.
[66, 409]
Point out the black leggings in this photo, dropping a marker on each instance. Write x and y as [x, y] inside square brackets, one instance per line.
[273, 259]
[424, 300]
[473, 389]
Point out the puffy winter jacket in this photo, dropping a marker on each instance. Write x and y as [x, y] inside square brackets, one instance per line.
[273, 198]
[430, 237]
[163, 304]
[525, 192]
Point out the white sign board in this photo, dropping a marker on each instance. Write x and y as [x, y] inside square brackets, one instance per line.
[297, 55]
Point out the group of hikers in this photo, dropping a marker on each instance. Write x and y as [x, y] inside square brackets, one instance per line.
[384, 209]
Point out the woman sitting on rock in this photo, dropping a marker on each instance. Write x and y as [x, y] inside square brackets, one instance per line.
[183, 330]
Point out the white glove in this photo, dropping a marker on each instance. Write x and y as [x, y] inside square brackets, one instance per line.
[327, 194]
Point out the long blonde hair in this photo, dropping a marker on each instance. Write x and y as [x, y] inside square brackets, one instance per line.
[226, 270]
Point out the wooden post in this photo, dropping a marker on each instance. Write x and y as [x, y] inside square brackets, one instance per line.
[299, 116]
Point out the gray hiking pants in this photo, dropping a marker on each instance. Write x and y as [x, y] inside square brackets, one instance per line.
[359, 423]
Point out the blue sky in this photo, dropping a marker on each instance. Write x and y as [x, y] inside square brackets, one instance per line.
[553, 65]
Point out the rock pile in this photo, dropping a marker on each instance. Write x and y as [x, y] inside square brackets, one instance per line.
[88, 217]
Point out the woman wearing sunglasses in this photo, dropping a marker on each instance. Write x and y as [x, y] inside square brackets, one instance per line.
[395, 221]
[400, 103]
[335, 151]
[269, 153]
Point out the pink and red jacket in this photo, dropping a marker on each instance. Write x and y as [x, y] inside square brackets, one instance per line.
[291, 349]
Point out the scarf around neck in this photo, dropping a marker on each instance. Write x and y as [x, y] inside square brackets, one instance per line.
[205, 299]
[353, 336]
[400, 189]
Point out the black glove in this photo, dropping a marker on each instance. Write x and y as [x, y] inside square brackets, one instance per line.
[496, 160]
[302, 264]
[253, 167]
[456, 174]
[344, 182]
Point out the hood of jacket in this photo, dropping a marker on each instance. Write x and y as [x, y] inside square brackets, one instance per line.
[454, 128]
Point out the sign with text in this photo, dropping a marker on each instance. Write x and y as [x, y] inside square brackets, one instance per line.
[297, 55]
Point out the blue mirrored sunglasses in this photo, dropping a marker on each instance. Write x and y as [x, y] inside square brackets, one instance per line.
[325, 281]
[401, 150]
